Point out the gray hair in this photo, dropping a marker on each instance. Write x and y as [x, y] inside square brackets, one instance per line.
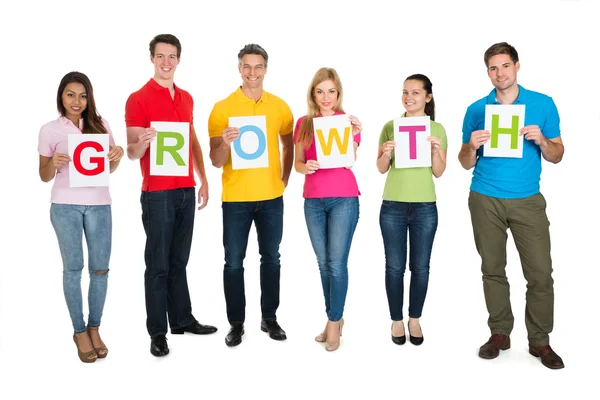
[253, 49]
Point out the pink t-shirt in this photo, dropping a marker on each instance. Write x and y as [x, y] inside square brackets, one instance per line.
[54, 138]
[330, 182]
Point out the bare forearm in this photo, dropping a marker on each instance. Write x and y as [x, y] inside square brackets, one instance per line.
[114, 165]
[47, 171]
[199, 166]
[219, 155]
[287, 162]
[300, 167]
[383, 162]
[552, 152]
[438, 165]
[135, 151]
[467, 157]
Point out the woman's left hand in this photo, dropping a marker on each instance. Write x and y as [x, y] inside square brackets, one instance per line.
[115, 153]
[356, 125]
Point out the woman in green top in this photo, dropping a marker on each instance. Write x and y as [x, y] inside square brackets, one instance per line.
[409, 208]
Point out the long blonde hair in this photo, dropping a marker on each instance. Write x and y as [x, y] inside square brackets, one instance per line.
[305, 134]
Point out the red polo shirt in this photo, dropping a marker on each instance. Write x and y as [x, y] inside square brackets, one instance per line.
[153, 103]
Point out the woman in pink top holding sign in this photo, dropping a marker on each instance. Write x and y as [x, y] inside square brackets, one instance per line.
[78, 208]
[331, 206]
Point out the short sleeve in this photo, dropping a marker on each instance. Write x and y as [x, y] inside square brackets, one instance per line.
[468, 127]
[45, 146]
[287, 118]
[442, 135]
[134, 113]
[551, 128]
[297, 129]
[216, 122]
[386, 133]
[111, 139]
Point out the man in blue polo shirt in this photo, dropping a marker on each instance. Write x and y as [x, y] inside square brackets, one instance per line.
[505, 193]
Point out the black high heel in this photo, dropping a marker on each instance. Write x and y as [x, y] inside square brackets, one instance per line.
[417, 341]
[399, 340]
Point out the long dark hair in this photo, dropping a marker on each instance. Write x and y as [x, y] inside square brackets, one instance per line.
[92, 121]
[427, 85]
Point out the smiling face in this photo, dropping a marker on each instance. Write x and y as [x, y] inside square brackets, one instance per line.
[326, 97]
[165, 61]
[252, 69]
[502, 71]
[74, 99]
[414, 98]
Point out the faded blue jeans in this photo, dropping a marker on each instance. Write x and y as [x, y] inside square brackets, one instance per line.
[331, 223]
[71, 222]
[398, 221]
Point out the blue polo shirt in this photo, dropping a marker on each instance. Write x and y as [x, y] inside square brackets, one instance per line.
[512, 178]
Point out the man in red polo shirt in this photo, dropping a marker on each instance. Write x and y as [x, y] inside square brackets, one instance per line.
[167, 201]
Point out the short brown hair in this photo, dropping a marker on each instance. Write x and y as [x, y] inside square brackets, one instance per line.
[168, 39]
[500, 48]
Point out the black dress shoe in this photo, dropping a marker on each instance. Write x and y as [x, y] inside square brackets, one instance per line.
[417, 341]
[234, 336]
[399, 340]
[275, 331]
[159, 346]
[196, 328]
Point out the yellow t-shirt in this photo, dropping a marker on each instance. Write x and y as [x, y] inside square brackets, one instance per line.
[254, 184]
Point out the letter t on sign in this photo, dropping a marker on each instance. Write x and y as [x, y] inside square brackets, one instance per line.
[412, 138]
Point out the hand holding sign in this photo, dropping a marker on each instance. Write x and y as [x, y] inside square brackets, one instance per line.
[532, 132]
[436, 144]
[388, 147]
[479, 138]
[230, 134]
[146, 136]
[356, 125]
[60, 160]
[311, 167]
[115, 153]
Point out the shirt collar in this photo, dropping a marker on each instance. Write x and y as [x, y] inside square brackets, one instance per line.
[66, 121]
[155, 85]
[245, 99]
[521, 97]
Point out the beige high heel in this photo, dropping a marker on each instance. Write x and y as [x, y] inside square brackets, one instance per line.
[335, 346]
[84, 357]
[101, 351]
[322, 337]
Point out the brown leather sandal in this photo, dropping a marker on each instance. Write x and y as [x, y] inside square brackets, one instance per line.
[101, 351]
[84, 357]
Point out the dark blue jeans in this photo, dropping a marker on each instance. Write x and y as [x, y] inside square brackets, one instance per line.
[168, 217]
[237, 219]
[331, 223]
[398, 220]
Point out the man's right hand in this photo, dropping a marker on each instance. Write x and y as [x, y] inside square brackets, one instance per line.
[146, 136]
[229, 135]
[478, 138]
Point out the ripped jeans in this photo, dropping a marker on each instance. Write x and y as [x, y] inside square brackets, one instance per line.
[70, 222]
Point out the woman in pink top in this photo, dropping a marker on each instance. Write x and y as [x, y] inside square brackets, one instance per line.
[331, 205]
[78, 210]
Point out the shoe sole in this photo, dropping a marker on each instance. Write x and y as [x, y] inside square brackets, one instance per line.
[274, 338]
[159, 354]
[544, 364]
[492, 357]
[181, 332]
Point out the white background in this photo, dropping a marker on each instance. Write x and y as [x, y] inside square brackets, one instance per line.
[373, 45]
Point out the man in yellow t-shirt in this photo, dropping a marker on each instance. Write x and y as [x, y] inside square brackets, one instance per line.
[253, 188]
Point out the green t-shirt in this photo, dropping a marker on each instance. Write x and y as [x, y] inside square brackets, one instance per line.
[410, 185]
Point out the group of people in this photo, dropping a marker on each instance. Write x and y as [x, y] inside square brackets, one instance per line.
[504, 194]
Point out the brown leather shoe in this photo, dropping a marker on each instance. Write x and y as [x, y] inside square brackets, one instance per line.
[493, 346]
[549, 358]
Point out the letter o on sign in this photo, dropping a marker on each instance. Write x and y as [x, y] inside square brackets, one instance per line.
[262, 143]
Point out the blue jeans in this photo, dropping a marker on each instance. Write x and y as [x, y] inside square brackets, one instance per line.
[237, 220]
[420, 221]
[70, 222]
[331, 223]
[168, 217]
